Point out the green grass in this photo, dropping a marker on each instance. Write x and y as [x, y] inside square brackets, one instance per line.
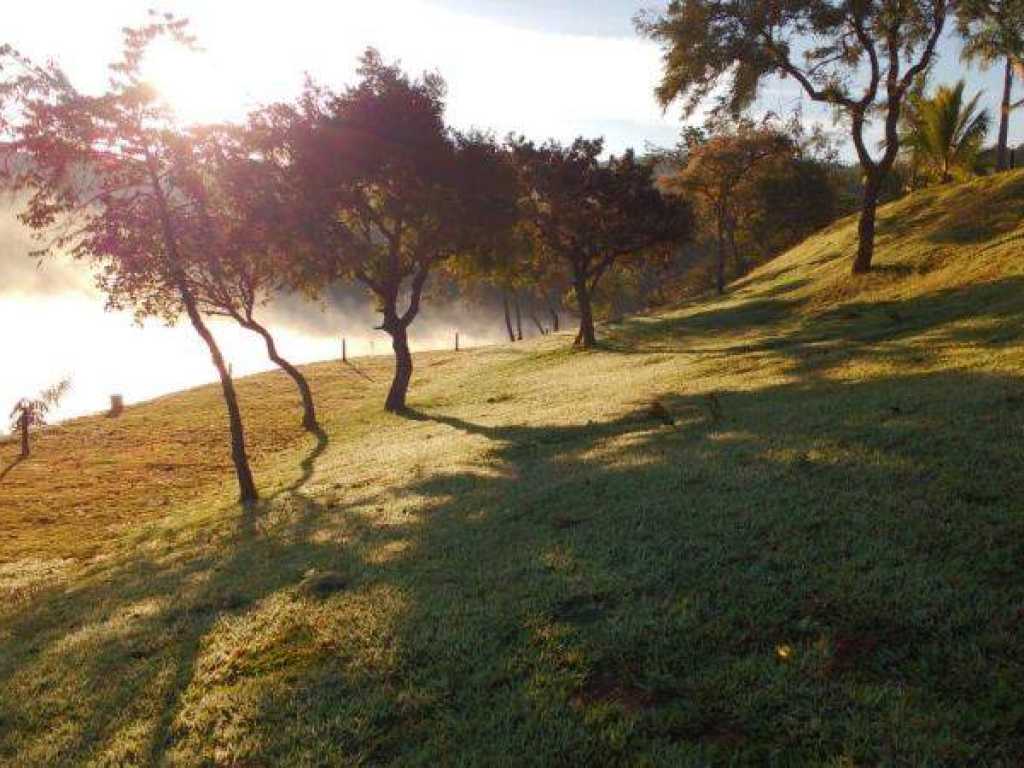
[818, 564]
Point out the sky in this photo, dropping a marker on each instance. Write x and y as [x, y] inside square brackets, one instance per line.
[557, 68]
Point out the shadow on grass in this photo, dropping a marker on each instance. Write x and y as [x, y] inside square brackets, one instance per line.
[990, 314]
[814, 570]
[10, 467]
[308, 464]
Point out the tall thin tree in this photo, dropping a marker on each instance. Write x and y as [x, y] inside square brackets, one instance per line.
[100, 184]
[993, 32]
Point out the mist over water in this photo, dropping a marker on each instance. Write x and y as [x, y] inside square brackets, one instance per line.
[54, 325]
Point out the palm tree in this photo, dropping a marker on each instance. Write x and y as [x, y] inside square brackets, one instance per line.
[993, 31]
[945, 134]
[32, 412]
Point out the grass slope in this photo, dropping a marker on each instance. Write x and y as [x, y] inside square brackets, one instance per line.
[818, 564]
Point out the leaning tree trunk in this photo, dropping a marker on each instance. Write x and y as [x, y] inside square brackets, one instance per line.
[1002, 152]
[508, 317]
[403, 367]
[519, 316]
[868, 216]
[309, 421]
[246, 485]
[587, 337]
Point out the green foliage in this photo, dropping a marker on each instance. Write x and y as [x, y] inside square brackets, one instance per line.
[992, 31]
[947, 132]
[860, 57]
[586, 215]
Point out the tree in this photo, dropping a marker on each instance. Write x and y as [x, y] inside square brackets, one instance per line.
[946, 132]
[859, 56]
[716, 172]
[230, 218]
[385, 192]
[788, 201]
[101, 182]
[588, 215]
[32, 412]
[993, 30]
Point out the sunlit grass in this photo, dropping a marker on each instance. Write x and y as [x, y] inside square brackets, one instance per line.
[819, 563]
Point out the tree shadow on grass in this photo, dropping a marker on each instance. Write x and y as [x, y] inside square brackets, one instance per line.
[308, 463]
[10, 466]
[808, 572]
[990, 314]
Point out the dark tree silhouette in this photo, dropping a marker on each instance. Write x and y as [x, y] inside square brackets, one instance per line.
[587, 215]
[825, 45]
[101, 182]
[385, 192]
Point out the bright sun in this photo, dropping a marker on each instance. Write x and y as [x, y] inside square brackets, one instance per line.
[192, 83]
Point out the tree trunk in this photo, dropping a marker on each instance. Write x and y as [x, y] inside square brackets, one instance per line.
[309, 421]
[540, 328]
[1002, 153]
[553, 311]
[587, 337]
[247, 493]
[246, 486]
[720, 267]
[508, 317]
[868, 215]
[519, 316]
[739, 263]
[23, 425]
[403, 368]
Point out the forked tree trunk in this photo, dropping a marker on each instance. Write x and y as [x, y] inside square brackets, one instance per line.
[1002, 152]
[587, 337]
[403, 368]
[868, 216]
[519, 316]
[508, 317]
[309, 421]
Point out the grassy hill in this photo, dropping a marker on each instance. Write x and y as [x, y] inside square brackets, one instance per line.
[819, 563]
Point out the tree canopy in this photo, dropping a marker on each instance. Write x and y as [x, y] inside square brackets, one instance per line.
[385, 191]
[859, 56]
[586, 214]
